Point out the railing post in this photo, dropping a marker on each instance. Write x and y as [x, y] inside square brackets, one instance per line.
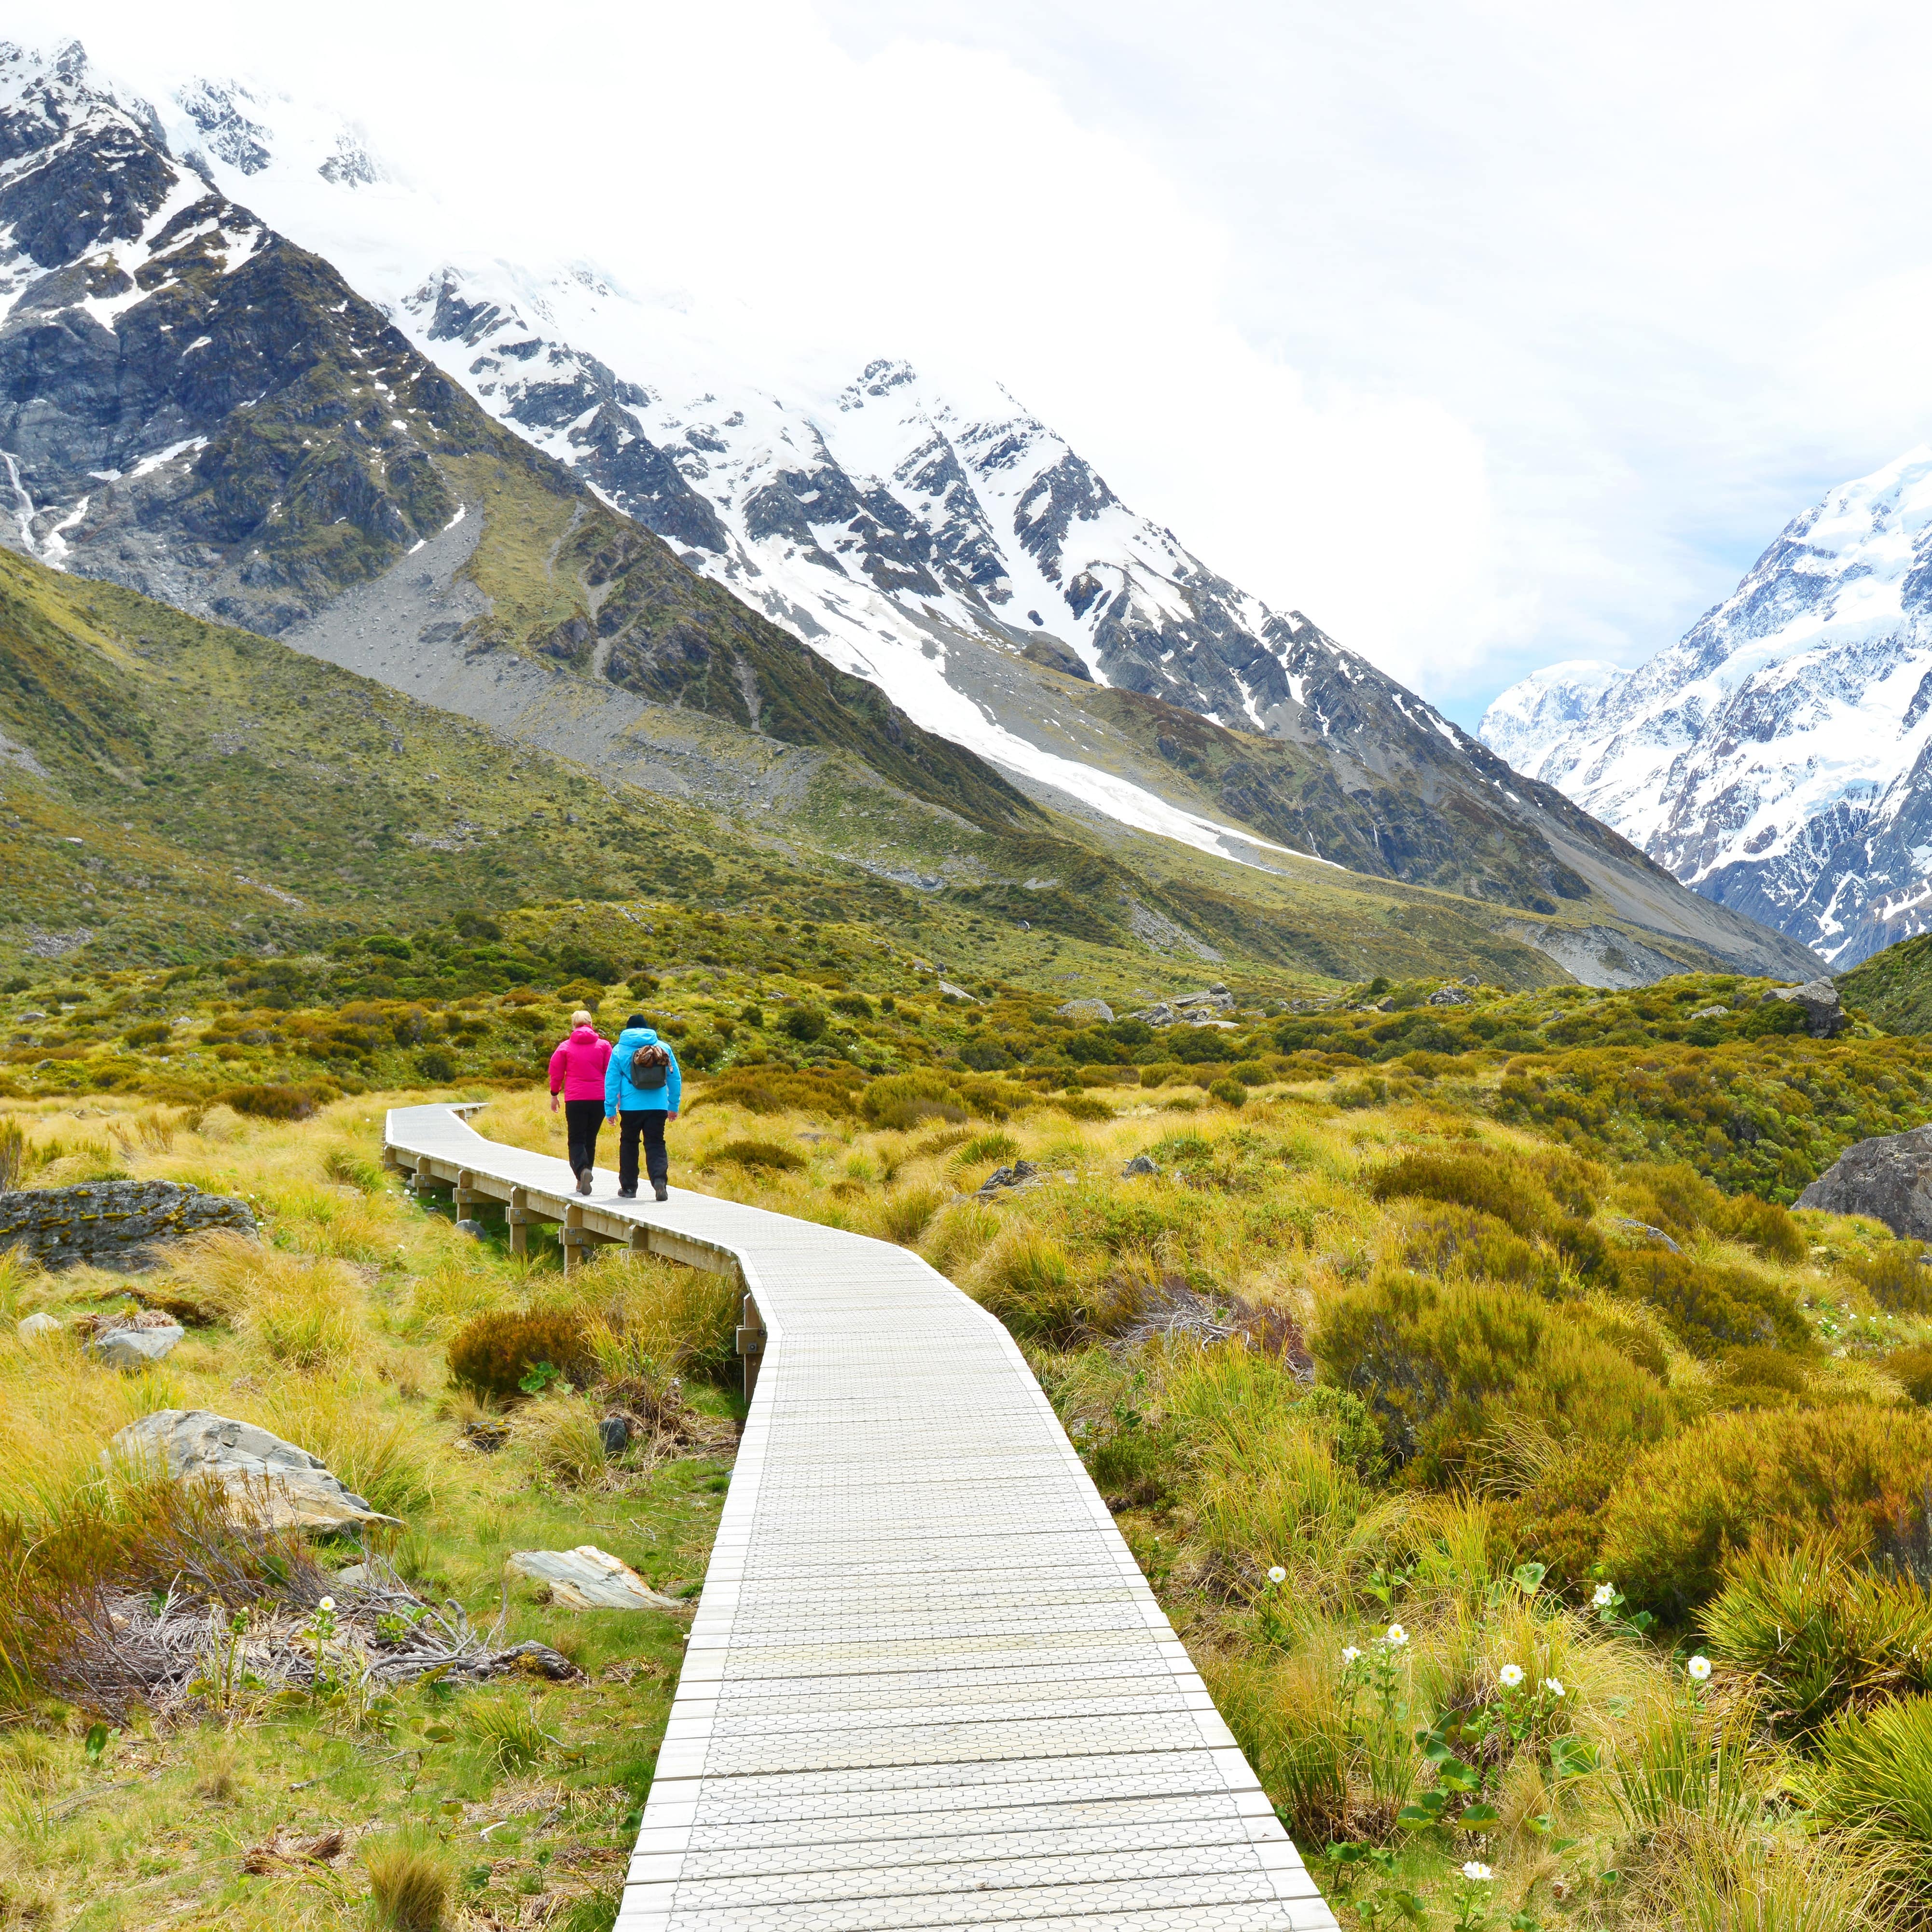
[571, 1239]
[519, 1218]
[751, 1345]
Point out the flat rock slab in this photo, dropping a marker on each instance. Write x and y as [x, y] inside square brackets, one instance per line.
[1889, 1176]
[113, 1222]
[587, 1578]
[274, 1482]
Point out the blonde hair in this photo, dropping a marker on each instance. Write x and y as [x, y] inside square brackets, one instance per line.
[580, 1018]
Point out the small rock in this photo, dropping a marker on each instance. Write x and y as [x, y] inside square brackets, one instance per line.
[135, 1348]
[1889, 1176]
[586, 1578]
[1470, 979]
[952, 992]
[615, 1431]
[356, 1572]
[1710, 1012]
[39, 1323]
[474, 1229]
[1086, 1012]
[1449, 996]
[33, 1013]
[487, 1436]
[272, 1481]
[1824, 1017]
[1018, 1175]
[535, 1659]
[1141, 1163]
[1644, 1231]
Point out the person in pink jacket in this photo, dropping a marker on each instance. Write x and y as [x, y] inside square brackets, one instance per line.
[577, 1072]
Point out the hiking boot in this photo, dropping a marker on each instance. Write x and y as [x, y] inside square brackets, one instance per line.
[627, 1194]
[660, 1190]
[583, 1181]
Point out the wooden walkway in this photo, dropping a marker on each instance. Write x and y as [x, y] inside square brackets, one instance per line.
[927, 1685]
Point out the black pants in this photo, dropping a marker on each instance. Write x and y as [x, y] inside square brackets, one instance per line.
[648, 1121]
[581, 1120]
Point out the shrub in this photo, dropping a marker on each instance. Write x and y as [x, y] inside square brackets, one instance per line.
[853, 1005]
[1084, 1107]
[802, 1023]
[1817, 1633]
[903, 1216]
[759, 1154]
[1230, 1093]
[778, 1090]
[1559, 1519]
[496, 1352]
[994, 1146]
[1737, 1480]
[1492, 1183]
[1711, 1309]
[1912, 1370]
[1026, 1280]
[1896, 1276]
[436, 1066]
[150, 1033]
[904, 1100]
[280, 1102]
[1250, 1073]
[1465, 1241]
[1438, 1362]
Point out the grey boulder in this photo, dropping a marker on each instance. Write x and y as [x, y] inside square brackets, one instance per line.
[1085, 1012]
[39, 1323]
[1141, 1163]
[269, 1481]
[1889, 1176]
[1824, 1017]
[134, 1347]
[587, 1578]
[1449, 996]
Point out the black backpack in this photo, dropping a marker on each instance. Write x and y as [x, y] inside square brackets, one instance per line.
[648, 1067]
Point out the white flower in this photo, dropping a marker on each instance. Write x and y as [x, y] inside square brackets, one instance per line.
[1605, 1596]
[1554, 1685]
[327, 1604]
[1699, 1668]
[1351, 1655]
[1509, 1676]
[1397, 1636]
[1477, 1871]
[1277, 1574]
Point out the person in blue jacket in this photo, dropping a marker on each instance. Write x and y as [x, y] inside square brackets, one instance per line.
[642, 1087]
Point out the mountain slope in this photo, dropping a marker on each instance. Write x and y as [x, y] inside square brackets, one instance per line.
[1778, 758]
[195, 405]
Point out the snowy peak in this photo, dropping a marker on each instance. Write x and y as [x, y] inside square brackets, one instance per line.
[1777, 757]
[1530, 717]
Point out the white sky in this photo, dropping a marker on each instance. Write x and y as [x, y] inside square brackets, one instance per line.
[1485, 334]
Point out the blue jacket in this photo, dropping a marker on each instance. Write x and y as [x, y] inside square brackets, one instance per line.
[619, 1095]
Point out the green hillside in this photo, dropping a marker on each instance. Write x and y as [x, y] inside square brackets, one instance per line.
[1895, 986]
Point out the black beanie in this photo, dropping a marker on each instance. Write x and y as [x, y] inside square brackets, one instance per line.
[637, 1020]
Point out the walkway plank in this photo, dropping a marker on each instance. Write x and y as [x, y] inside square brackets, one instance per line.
[927, 1685]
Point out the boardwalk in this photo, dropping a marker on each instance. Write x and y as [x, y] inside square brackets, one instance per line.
[927, 1685]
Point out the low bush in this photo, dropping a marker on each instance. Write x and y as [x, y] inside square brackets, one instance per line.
[769, 1155]
[495, 1353]
[1815, 1633]
[278, 1102]
[907, 1100]
[1250, 1073]
[1710, 1308]
[1438, 1361]
[1735, 1480]
[1896, 1275]
[1451, 1240]
[803, 1024]
[1490, 1182]
[778, 1090]
[1230, 1093]
[1912, 1368]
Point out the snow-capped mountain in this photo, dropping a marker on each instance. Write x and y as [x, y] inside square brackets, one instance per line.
[1541, 709]
[243, 369]
[1779, 758]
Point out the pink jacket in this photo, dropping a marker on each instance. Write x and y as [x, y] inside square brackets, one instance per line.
[576, 1067]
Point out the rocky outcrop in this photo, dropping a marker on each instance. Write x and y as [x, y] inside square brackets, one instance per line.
[269, 1481]
[112, 1223]
[1824, 1017]
[1889, 1178]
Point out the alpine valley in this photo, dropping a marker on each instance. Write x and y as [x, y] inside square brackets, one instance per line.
[1778, 759]
[241, 374]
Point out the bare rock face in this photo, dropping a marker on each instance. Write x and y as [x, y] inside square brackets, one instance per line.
[1824, 1017]
[272, 1482]
[1889, 1178]
[112, 1222]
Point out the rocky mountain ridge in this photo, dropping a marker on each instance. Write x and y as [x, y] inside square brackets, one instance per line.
[192, 403]
[1778, 758]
